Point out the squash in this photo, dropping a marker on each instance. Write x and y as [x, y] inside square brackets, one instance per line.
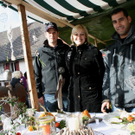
[85, 116]
[86, 113]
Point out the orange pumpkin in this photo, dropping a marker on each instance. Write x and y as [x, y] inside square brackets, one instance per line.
[46, 130]
[86, 113]
[30, 128]
[129, 118]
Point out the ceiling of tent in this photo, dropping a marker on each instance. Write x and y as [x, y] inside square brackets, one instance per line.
[94, 14]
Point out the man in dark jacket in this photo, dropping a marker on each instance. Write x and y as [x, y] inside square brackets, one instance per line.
[119, 59]
[48, 60]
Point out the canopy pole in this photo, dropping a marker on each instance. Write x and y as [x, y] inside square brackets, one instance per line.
[95, 42]
[28, 57]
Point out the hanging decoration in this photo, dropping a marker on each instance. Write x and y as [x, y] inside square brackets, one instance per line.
[10, 37]
[3, 19]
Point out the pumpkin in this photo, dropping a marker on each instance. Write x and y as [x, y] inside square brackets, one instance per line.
[85, 113]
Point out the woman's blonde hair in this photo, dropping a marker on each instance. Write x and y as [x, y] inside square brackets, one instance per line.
[74, 30]
[16, 74]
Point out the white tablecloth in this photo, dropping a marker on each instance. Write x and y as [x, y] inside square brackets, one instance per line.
[105, 129]
[100, 127]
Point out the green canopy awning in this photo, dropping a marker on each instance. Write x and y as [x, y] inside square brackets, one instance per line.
[94, 14]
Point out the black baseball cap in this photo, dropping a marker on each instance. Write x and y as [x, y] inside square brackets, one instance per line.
[51, 25]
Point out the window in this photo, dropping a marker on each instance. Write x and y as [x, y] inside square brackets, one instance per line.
[12, 67]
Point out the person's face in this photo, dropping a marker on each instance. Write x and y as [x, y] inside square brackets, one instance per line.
[79, 37]
[121, 24]
[52, 36]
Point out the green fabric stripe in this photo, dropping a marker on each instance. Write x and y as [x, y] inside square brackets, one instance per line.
[4, 5]
[87, 3]
[48, 7]
[13, 8]
[111, 2]
[34, 19]
[84, 13]
[1, 3]
[70, 7]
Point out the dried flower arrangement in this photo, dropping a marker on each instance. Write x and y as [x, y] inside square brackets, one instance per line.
[17, 110]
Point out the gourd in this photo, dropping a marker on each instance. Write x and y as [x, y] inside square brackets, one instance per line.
[85, 116]
[46, 113]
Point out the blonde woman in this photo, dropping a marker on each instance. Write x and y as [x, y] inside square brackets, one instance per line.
[86, 68]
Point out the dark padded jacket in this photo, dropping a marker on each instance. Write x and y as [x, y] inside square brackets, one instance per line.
[86, 69]
[46, 65]
[119, 78]
[14, 81]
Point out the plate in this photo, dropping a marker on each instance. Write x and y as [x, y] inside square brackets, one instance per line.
[61, 115]
[107, 120]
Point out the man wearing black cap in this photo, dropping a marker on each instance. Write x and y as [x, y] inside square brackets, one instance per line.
[48, 60]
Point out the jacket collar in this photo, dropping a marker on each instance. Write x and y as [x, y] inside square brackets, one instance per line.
[81, 47]
[59, 44]
[130, 37]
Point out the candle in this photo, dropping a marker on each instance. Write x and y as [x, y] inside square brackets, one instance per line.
[46, 129]
[73, 123]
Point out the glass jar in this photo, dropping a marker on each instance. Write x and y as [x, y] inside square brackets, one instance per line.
[46, 126]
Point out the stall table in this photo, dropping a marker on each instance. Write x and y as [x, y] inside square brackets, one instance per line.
[100, 128]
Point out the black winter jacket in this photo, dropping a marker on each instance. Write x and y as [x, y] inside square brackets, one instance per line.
[119, 78]
[86, 69]
[46, 65]
[14, 81]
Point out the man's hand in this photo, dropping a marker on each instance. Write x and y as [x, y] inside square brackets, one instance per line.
[105, 104]
[41, 100]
